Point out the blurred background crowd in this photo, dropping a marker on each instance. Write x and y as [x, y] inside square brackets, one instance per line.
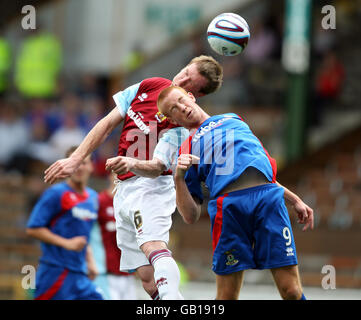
[57, 81]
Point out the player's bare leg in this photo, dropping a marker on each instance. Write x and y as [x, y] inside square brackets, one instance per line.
[146, 275]
[229, 285]
[166, 272]
[288, 282]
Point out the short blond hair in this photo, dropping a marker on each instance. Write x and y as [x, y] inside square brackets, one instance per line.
[211, 69]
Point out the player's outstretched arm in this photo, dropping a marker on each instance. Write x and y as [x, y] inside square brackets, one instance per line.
[163, 156]
[187, 206]
[146, 168]
[66, 167]
[304, 212]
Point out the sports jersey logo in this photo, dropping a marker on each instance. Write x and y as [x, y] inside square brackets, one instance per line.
[160, 116]
[217, 147]
[110, 226]
[83, 214]
[231, 261]
[110, 211]
[138, 121]
[160, 282]
[210, 126]
[143, 96]
[289, 251]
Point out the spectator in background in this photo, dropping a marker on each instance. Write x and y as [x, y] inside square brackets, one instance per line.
[93, 111]
[329, 81]
[262, 44]
[38, 65]
[43, 111]
[89, 87]
[258, 56]
[330, 76]
[134, 59]
[235, 84]
[5, 63]
[71, 105]
[39, 147]
[67, 135]
[323, 40]
[71, 126]
[13, 133]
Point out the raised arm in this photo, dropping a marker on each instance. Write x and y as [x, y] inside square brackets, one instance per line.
[188, 207]
[65, 167]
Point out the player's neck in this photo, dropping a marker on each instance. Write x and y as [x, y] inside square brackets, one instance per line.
[78, 187]
[203, 118]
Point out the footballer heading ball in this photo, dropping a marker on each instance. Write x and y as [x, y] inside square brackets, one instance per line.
[228, 34]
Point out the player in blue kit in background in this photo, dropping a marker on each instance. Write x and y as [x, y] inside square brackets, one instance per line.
[250, 223]
[62, 220]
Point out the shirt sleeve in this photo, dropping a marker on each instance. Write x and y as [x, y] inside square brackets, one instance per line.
[124, 98]
[193, 183]
[45, 209]
[168, 145]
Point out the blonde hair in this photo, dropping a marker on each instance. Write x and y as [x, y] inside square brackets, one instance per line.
[209, 68]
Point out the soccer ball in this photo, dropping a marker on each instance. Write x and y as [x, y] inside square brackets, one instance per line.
[228, 34]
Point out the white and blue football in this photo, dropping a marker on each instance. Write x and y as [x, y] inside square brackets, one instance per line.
[228, 34]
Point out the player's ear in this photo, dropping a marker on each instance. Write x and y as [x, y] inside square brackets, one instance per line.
[172, 121]
[192, 96]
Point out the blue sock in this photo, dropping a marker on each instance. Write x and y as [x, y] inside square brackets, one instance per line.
[303, 297]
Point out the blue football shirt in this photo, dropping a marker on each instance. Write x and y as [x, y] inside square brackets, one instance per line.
[226, 147]
[67, 214]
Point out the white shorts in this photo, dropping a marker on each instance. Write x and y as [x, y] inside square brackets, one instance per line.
[143, 209]
[116, 287]
[122, 287]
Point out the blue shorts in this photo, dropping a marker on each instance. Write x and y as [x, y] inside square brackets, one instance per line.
[251, 229]
[57, 283]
